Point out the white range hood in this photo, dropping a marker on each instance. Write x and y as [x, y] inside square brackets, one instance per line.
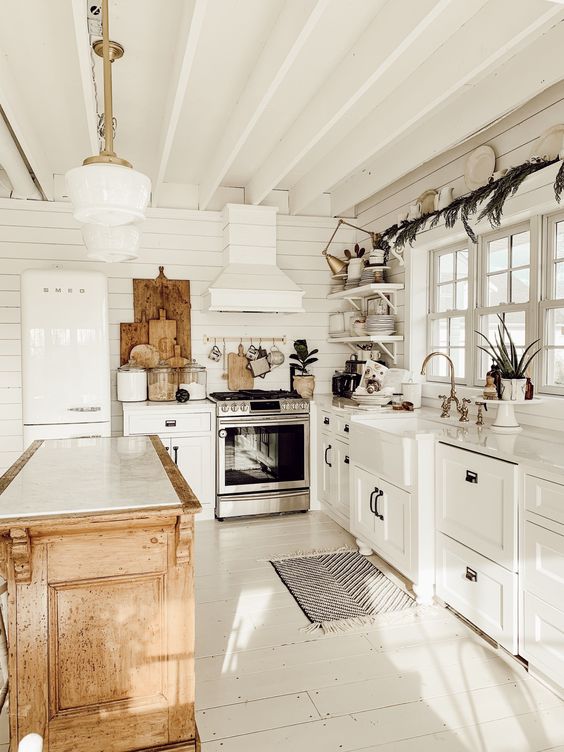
[251, 281]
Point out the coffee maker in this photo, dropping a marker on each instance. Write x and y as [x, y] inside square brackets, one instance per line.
[343, 384]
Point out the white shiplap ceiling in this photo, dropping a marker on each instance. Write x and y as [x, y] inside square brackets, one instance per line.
[313, 97]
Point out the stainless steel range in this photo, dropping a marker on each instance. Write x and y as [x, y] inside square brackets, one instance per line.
[262, 453]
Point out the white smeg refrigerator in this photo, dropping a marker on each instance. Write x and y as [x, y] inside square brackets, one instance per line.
[65, 354]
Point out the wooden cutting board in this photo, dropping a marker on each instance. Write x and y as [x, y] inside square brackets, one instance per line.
[177, 361]
[150, 295]
[238, 377]
[131, 335]
[162, 335]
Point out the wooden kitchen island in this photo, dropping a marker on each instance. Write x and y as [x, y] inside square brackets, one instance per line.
[96, 542]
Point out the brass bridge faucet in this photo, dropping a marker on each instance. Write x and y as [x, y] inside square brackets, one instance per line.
[461, 405]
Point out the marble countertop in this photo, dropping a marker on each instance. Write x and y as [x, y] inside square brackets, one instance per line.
[534, 448]
[89, 476]
[203, 405]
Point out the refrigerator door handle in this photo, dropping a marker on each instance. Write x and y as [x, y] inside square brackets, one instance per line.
[92, 409]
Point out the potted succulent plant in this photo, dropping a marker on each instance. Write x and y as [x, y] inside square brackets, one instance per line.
[304, 383]
[513, 368]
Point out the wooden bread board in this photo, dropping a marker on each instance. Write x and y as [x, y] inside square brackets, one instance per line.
[150, 295]
[177, 361]
[238, 376]
[131, 335]
[162, 335]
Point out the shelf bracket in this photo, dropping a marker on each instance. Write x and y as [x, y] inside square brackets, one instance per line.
[390, 353]
[387, 301]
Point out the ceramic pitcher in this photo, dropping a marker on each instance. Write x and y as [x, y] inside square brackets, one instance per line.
[444, 197]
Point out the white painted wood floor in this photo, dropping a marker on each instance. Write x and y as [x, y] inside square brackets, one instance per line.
[264, 686]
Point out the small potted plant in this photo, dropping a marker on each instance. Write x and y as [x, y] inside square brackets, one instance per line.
[304, 384]
[512, 367]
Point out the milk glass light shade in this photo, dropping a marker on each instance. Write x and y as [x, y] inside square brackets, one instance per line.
[111, 244]
[108, 194]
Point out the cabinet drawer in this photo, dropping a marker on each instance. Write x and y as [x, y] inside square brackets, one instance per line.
[483, 592]
[545, 498]
[326, 420]
[543, 563]
[544, 637]
[477, 503]
[167, 423]
[342, 427]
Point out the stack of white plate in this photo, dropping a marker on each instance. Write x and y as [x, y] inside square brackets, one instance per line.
[373, 400]
[382, 324]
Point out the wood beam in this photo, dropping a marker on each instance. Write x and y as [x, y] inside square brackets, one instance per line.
[506, 89]
[83, 51]
[271, 69]
[455, 66]
[191, 29]
[367, 73]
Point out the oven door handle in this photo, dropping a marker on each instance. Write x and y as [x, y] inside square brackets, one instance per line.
[270, 420]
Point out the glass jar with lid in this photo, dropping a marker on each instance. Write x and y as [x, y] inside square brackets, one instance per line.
[162, 383]
[193, 377]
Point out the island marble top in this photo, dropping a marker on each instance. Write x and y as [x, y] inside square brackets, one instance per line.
[90, 475]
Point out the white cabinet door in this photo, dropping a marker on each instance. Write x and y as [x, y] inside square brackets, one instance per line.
[363, 489]
[324, 466]
[393, 524]
[339, 481]
[195, 459]
[544, 637]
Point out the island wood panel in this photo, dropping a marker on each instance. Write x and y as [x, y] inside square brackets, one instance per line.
[102, 660]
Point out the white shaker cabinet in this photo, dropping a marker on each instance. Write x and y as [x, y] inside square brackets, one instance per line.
[333, 464]
[188, 434]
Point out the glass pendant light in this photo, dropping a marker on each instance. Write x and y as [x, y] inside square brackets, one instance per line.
[106, 191]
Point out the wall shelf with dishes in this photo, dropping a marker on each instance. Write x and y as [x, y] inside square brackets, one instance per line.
[387, 344]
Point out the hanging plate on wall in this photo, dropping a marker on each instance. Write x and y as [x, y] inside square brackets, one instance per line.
[479, 167]
[549, 144]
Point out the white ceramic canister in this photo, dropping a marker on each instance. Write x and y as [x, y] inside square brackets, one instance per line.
[131, 384]
[411, 391]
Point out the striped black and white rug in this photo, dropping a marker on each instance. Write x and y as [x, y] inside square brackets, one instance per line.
[339, 590]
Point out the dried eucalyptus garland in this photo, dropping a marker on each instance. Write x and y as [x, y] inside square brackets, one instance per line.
[495, 193]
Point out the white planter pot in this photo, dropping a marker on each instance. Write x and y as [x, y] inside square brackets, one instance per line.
[513, 389]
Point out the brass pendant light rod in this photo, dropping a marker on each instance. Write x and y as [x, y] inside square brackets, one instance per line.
[108, 51]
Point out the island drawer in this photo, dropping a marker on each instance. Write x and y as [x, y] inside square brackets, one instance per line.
[545, 498]
[169, 423]
[543, 563]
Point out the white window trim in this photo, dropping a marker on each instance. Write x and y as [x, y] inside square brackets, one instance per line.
[547, 302]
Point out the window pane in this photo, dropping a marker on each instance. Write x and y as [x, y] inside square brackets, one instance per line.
[559, 280]
[458, 358]
[446, 267]
[560, 240]
[497, 289]
[461, 264]
[439, 366]
[520, 249]
[440, 334]
[446, 298]
[515, 322]
[555, 361]
[520, 286]
[461, 296]
[555, 323]
[457, 338]
[498, 256]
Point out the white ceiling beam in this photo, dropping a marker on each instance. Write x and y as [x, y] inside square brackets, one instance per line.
[509, 87]
[485, 42]
[367, 70]
[84, 54]
[187, 45]
[280, 52]
[24, 129]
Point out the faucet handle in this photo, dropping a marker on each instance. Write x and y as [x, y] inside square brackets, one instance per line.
[464, 410]
[445, 407]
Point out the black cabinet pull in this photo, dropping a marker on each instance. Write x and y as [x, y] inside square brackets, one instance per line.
[371, 500]
[346, 429]
[378, 493]
[326, 460]
[170, 423]
[346, 460]
[175, 450]
[471, 476]
[471, 575]
[326, 421]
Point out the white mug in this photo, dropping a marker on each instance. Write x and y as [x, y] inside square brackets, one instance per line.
[414, 211]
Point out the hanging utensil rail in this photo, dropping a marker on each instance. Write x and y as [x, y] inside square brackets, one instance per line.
[256, 338]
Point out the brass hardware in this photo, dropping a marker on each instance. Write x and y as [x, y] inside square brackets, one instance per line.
[461, 405]
[116, 50]
[338, 265]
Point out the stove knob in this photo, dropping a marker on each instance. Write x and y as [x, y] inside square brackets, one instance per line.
[303, 405]
[234, 407]
[224, 408]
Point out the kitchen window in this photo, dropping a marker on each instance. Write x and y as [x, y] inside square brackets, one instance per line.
[552, 306]
[449, 318]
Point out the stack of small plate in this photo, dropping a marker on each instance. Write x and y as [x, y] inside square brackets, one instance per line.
[338, 282]
[382, 324]
[372, 400]
[372, 273]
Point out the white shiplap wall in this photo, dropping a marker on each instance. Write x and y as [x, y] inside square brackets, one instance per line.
[512, 139]
[189, 245]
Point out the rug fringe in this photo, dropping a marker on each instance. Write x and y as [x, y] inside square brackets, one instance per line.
[310, 554]
[338, 626]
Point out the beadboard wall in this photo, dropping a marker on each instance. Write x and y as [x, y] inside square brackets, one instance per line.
[512, 139]
[189, 245]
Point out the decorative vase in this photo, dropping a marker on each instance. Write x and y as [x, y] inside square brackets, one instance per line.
[304, 386]
[513, 389]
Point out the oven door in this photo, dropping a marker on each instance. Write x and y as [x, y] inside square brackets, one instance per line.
[262, 454]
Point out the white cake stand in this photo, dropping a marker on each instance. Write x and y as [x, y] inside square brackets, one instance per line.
[505, 420]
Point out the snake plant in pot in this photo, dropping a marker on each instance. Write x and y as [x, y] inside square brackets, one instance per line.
[304, 383]
[512, 366]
